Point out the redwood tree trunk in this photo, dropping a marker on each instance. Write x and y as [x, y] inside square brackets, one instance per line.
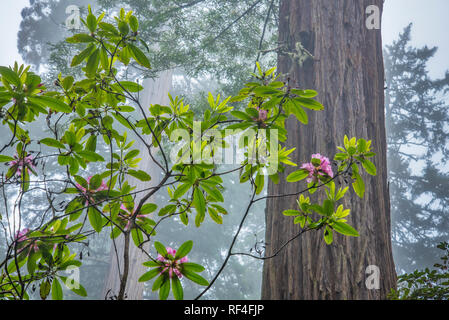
[155, 93]
[348, 74]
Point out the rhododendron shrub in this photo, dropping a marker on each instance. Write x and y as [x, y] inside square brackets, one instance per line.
[102, 108]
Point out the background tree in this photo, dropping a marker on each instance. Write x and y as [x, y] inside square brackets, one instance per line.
[215, 47]
[417, 118]
[347, 70]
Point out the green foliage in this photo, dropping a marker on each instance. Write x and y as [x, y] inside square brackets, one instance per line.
[95, 109]
[425, 284]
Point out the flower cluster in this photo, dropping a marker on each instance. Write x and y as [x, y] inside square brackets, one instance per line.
[262, 115]
[20, 163]
[127, 216]
[172, 266]
[320, 166]
[85, 191]
[21, 238]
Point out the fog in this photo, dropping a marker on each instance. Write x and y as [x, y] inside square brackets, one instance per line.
[430, 26]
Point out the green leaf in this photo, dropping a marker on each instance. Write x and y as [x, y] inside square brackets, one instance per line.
[345, 229]
[291, 213]
[195, 278]
[184, 249]
[158, 282]
[359, 186]
[132, 154]
[108, 27]
[167, 210]
[139, 174]
[328, 207]
[104, 59]
[361, 145]
[260, 180]
[123, 27]
[92, 63]
[193, 267]
[133, 23]
[81, 56]
[56, 290]
[298, 175]
[90, 156]
[214, 215]
[140, 57]
[131, 86]
[149, 275]
[54, 104]
[181, 190]
[369, 167]
[52, 143]
[164, 290]
[241, 115]
[95, 182]
[91, 144]
[213, 192]
[160, 248]
[199, 202]
[151, 264]
[301, 220]
[137, 236]
[309, 103]
[44, 290]
[10, 76]
[178, 292]
[5, 158]
[80, 38]
[300, 114]
[148, 208]
[328, 235]
[31, 261]
[95, 219]
[91, 22]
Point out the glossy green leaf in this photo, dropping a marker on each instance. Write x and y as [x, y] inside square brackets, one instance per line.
[140, 57]
[56, 290]
[298, 175]
[177, 290]
[184, 249]
[52, 143]
[345, 229]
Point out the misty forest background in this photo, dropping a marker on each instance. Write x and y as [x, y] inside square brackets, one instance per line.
[212, 46]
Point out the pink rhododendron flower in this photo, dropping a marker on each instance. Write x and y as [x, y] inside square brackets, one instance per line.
[21, 238]
[262, 115]
[22, 235]
[324, 168]
[172, 266]
[84, 191]
[28, 161]
[128, 215]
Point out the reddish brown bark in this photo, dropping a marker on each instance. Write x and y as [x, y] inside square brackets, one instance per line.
[348, 74]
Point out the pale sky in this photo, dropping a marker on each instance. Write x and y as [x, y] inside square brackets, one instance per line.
[9, 25]
[430, 18]
[430, 27]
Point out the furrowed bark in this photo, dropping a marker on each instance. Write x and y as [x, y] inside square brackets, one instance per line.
[347, 71]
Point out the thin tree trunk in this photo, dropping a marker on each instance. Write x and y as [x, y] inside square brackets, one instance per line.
[348, 74]
[155, 92]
